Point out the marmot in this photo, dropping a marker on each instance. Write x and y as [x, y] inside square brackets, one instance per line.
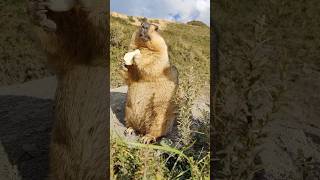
[152, 83]
[74, 36]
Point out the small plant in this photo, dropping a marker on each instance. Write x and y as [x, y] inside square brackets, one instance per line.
[131, 19]
[155, 21]
[186, 95]
[142, 19]
[247, 100]
[196, 23]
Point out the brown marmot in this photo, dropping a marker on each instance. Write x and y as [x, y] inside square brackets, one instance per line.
[152, 83]
[74, 36]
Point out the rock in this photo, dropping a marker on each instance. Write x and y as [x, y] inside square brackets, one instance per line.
[117, 107]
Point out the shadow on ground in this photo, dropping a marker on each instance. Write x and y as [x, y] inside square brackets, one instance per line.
[25, 134]
[117, 104]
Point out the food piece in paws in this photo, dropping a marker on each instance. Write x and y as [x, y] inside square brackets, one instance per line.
[128, 57]
[60, 5]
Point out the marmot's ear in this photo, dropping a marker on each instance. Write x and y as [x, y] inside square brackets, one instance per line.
[156, 27]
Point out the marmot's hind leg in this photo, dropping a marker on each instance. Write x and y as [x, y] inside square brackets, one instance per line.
[161, 125]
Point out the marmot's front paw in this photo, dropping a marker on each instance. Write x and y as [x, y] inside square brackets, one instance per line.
[128, 57]
[37, 10]
[123, 67]
[129, 131]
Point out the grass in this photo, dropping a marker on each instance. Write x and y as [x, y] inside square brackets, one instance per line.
[186, 156]
[141, 161]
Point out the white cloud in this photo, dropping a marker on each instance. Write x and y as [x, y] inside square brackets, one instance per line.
[183, 10]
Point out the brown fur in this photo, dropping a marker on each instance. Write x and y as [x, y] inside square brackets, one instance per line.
[152, 83]
[81, 38]
[77, 52]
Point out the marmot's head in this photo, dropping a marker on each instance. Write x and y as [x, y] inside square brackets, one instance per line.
[147, 36]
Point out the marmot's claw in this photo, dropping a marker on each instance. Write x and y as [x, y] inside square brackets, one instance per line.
[128, 57]
[129, 131]
[147, 139]
[48, 25]
[123, 66]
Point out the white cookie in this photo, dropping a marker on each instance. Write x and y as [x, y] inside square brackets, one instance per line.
[60, 5]
[128, 57]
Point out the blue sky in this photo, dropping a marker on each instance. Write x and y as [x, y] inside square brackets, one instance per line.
[178, 10]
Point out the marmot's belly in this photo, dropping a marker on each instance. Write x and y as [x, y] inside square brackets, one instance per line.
[143, 102]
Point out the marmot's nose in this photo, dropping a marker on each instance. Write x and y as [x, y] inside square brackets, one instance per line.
[145, 25]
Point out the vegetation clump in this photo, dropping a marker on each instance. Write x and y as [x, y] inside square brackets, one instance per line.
[196, 23]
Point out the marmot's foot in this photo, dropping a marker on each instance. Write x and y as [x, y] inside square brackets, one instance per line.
[129, 131]
[37, 10]
[147, 139]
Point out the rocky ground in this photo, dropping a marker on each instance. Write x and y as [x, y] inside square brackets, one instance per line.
[292, 147]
